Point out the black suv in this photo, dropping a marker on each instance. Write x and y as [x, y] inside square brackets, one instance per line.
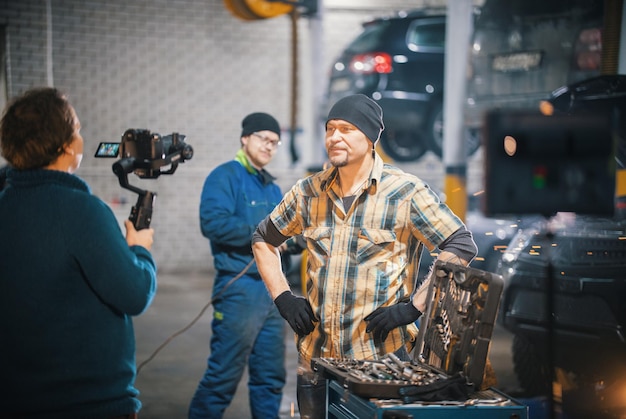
[521, 50]
[399, 62]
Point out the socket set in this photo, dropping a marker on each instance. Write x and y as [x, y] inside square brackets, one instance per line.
[451, 348]
[383, 378]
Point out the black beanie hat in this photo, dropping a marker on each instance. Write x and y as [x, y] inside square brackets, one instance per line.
[362, 112]
[259, 121]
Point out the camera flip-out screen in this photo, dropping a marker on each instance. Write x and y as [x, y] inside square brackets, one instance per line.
[108, 150]
[538, 164]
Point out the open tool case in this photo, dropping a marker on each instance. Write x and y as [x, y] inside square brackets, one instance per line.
[451, 350]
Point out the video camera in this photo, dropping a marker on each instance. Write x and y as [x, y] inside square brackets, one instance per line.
[145, 153]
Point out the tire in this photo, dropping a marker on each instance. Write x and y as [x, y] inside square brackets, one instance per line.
[434, 134]
[531, 367]
[403, 146]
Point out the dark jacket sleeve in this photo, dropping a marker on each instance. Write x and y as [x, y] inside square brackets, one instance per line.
[123, 277]
[219, 221]
[461, 243]
[267, 232]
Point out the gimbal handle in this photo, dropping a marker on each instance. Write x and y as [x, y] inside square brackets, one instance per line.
[141, 213]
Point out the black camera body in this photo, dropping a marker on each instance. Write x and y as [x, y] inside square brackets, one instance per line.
[145, 153]
[151, 151]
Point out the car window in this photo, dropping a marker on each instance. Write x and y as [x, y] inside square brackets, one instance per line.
[369, 39]
[502, 11]
[426, 35]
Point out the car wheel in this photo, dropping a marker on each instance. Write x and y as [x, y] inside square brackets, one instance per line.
[402, 145]
[531, 367]
[434, 134]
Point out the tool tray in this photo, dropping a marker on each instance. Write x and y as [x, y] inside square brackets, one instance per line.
[452, 345]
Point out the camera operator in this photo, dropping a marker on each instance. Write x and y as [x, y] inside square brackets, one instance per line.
[69, 281]
[246, 326]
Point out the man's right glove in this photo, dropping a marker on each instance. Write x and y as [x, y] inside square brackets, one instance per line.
[297, 311]
[385, 319]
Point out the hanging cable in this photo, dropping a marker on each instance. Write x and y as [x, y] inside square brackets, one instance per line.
[184, 329]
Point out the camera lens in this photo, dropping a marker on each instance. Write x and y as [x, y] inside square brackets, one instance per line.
[187, 152]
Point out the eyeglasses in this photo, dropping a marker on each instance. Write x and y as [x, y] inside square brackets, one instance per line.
[272, 143]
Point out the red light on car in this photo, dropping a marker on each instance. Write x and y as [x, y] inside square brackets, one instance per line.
[591, 37]
[373, 62]
[589, 49]
[589, 60]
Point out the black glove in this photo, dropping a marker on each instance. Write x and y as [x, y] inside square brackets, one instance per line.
[297, 311]
[384, 319]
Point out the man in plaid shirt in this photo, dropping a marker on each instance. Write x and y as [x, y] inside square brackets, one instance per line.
[365, 224]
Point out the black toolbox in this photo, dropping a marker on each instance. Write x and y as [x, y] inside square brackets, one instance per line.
[449, 359]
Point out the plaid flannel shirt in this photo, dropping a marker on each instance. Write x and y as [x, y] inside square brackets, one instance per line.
[361, 258]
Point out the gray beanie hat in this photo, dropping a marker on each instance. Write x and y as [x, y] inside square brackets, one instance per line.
[362, 112]
[259, 121]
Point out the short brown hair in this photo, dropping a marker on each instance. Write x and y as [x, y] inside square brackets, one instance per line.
[35, 128]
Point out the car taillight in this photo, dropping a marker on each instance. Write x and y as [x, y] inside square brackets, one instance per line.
[373, 62]
[589, 49]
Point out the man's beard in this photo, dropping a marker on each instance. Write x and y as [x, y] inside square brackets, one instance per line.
[339, 163]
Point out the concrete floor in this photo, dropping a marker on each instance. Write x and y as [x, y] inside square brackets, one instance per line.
[167, 382]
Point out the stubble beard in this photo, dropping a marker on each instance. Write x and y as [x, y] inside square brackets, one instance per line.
[339, 162]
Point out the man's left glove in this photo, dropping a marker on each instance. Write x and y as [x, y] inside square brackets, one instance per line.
[384, 319]
[297, 311]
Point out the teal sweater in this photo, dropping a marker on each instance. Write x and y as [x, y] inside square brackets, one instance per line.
[69, 284]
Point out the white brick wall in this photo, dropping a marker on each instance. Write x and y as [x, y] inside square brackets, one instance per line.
[187, 66]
